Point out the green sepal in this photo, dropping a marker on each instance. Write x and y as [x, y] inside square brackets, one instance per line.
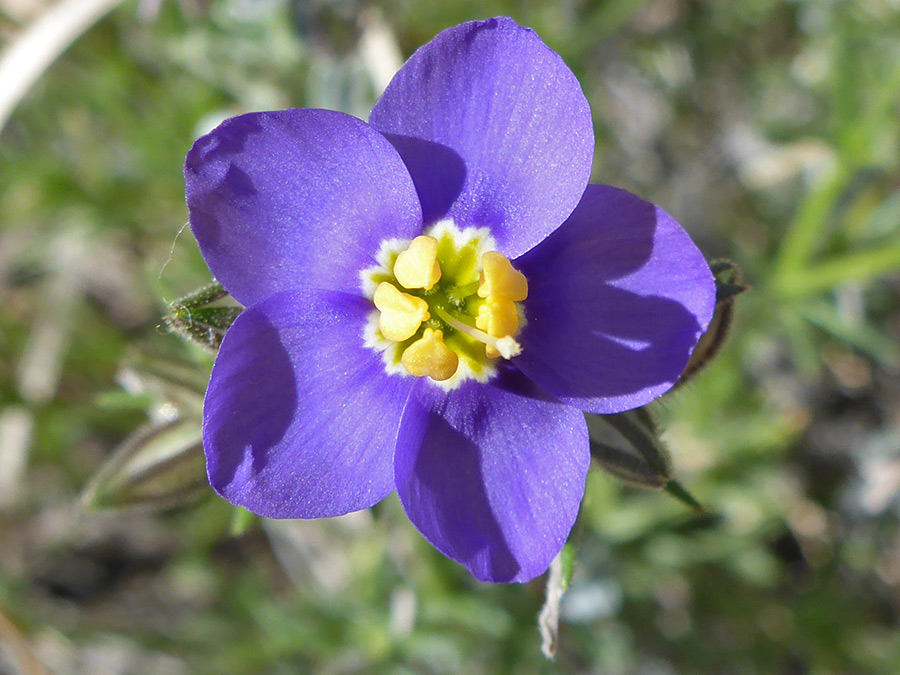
[729, 279]
[196, 321]
[159, 467]
[205, 295]
[729, 284]
[678, 491]
[627, 445]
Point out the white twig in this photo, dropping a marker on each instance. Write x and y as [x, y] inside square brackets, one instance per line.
[41, 44]
[548, 619]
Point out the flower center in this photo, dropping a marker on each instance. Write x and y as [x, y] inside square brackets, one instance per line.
[446, 305]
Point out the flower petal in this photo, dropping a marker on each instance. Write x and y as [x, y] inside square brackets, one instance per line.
[618, 297]
[296, 198]
[300, 419]
[491, 475]
[501, 120]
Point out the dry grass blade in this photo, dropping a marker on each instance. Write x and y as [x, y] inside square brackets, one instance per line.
[23, 63]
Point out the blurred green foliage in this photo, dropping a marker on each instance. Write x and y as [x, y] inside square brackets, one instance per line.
[768, 128]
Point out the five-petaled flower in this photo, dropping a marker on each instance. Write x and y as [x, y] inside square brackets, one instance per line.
[433, 298]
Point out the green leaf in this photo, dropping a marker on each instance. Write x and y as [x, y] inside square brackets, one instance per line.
[627, 445]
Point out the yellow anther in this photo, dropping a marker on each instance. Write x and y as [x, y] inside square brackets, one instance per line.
[498, 318]
[401, 313]
[430, 356]
[500, 280]
[417, 266]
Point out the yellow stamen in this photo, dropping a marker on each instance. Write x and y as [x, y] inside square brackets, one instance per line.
[448, 282]
[500, 280]
[498, 318]
[401, 313]
[430, 356]
[417, 266]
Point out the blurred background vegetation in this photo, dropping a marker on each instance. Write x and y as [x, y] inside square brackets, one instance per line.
[769, 128]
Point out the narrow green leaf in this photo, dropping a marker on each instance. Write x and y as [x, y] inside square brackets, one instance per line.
[118, 401]
[856, 332]
[856, 266]
[805, 231]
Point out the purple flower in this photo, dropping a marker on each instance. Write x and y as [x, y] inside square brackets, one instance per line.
[382, 350]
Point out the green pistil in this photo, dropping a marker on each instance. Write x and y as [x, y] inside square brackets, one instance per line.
[460, 294]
